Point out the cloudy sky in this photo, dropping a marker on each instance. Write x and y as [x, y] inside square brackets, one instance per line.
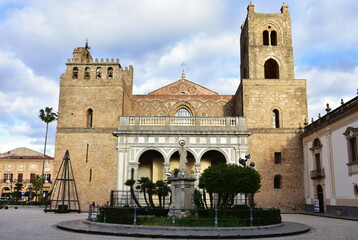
[156, 36]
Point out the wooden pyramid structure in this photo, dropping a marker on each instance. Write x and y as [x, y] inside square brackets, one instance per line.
[64, 196]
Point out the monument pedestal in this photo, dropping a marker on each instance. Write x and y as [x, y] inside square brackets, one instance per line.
[182, 196]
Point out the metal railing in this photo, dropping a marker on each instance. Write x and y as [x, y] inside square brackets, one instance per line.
[211, 217]
[316, 174]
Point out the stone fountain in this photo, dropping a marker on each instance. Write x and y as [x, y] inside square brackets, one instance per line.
[182, 186]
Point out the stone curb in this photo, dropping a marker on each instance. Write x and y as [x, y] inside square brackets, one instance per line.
[84, 226]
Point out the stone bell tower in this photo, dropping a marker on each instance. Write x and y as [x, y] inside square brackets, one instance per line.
[93, 94]
[275, 106]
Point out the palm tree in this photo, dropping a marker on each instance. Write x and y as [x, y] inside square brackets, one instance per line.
[46, 116]
[36, 182]
[130, 183]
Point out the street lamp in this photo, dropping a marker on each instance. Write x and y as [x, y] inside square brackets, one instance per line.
[242, 161]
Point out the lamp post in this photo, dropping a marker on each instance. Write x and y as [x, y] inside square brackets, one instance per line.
[243, 163]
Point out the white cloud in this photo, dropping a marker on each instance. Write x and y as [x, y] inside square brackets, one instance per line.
[329, 86]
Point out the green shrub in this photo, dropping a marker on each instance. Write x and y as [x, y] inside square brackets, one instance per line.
[116, 215]
[266, 216]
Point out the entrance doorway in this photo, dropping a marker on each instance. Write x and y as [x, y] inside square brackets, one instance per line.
[320, 198]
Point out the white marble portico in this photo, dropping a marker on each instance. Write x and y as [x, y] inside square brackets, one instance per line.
[137, 135]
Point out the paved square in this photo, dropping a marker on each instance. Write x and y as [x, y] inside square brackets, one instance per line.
[33, 223]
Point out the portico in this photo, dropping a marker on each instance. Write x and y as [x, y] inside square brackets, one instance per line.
[148, 146]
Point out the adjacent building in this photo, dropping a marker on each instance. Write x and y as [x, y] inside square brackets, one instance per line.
[331, 161]
[20, 165]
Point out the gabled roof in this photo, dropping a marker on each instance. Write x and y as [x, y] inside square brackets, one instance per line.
[183, 87]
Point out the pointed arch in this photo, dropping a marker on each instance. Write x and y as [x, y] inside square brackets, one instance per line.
[272, 70]
[87, 72]
[275, 118]
[273, 36]
[265, 37]
[75, 73]
[89, 118]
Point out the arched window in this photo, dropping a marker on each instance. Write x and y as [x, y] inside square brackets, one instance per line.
[275, 118]
[87, 72]
[271, 69]
[277, 182]
[98, 72]
[110, 72]
[89, 118]
[75, 72]
[182, 112]
[316, 143]
[265, 36]
[273, 36]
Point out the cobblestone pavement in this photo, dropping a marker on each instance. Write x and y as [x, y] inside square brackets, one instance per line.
[33, 223]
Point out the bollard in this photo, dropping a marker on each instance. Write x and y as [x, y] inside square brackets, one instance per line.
[216, 217]
[135, 216]
[251, 217]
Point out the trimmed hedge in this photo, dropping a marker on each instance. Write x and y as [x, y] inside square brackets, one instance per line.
[266, 216]
[236, 216]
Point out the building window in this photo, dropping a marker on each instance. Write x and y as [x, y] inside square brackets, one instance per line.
[32, 176]
[269, 38]
[8, 177]
[316, 143]
[20, 177]
[87, 72]
[90, 175]
[98, 72]
[271, 69]
[277, 157]
[265, 36]
[89, 118]
[75, 72]
[273, 36]
[353, 150]
[318, 161]
[110, 72]
[275, 118]
[277, 182]
[182, 112]
[87, 152]
[47, 178]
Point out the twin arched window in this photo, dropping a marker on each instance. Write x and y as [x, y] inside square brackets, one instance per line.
[269, 38]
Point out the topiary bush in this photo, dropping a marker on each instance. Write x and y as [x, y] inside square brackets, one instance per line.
[116, 215]
[266, 216]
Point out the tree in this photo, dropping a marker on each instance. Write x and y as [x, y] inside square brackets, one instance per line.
[17, 194]
[46, 116]
[36, 183]
[162, 190]
[228, 180]
[130, 183]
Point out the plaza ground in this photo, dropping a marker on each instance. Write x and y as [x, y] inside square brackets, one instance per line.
[33, 223]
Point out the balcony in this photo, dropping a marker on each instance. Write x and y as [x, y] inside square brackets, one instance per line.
[168, 125]
[317, 174]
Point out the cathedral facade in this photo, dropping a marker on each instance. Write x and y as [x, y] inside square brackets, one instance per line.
[113, 135]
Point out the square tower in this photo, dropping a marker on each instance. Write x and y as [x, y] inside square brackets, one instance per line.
[275, 106]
